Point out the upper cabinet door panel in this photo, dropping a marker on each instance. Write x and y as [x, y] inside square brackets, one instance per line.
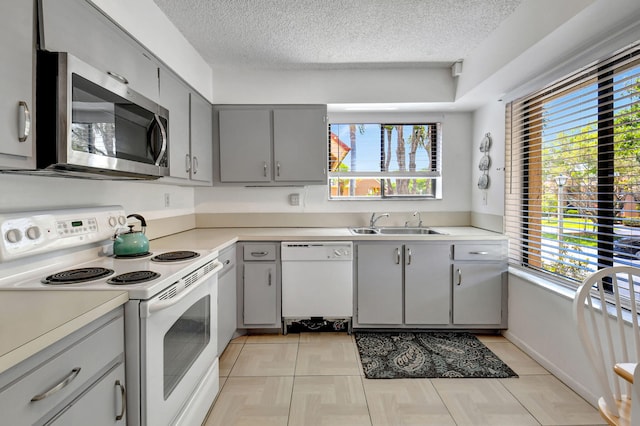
[245, 145]
[16, 48]
[300, 144]
[76, 27]
[201, 139]
[174, 96]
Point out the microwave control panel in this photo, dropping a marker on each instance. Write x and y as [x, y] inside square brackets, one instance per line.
[28, 233]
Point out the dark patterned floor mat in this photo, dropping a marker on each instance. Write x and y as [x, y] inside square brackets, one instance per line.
[427, 354]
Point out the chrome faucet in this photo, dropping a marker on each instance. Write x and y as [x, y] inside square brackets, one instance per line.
[374, 219]
[406, 224]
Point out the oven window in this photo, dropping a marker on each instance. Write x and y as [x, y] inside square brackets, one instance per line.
[184, 342]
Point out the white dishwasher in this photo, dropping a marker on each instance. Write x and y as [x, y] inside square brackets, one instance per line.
[317, 280]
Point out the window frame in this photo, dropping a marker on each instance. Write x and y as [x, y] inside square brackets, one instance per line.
[434, 175]
[524, 199]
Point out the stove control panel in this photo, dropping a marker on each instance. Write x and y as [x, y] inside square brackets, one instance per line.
[28, 233]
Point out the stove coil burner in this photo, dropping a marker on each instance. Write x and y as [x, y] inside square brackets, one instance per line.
[134, 277]
[132, 256]
[80, 275]
[175, 256]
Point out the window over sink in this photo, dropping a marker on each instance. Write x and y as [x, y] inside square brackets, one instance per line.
[373, 161]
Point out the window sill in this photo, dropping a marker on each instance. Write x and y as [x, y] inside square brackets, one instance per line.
[553, 286]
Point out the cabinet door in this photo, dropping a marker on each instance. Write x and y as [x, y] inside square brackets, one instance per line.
[201, 139]
[379, 284]
[76, 27]
[300, 144]
[477, 293]
[16, 49]
[174, 96]
[260, 294]
[427, 286]
[227, 308]
[102, 405]
[245, 145]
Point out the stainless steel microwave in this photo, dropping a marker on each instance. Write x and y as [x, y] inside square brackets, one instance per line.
[91, 124]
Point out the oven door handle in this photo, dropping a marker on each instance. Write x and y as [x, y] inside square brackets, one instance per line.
[158, 305]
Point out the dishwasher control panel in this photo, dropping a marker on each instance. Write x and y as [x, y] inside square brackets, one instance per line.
[315, 251]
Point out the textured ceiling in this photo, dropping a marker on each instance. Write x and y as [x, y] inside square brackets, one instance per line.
[335, 33]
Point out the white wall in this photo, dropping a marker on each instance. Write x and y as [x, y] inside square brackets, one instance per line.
[456, 191]
[489, 119]
[21, 193]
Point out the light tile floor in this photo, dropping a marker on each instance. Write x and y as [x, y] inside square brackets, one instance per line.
[310, 379]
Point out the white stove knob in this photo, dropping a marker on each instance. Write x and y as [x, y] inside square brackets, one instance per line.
[112, 221]
[13, 235]
[122, 220]
[33, 233]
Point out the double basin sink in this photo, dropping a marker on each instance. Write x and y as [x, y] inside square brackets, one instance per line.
[393, 230]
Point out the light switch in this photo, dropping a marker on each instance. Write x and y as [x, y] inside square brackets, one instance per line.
[294, 199]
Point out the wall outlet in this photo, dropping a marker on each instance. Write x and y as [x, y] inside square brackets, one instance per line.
[167, 199]
[294, 199]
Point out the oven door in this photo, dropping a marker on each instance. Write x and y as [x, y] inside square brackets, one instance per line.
[178, 347]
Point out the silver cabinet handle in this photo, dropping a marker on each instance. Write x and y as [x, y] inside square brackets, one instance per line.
[397, 256]
[24, 121]
[269, 280]
[481, 253]
[259, 253]
[265, 169]
[64, 382]
[123, 399]
[459, 276]
[195, 165]
[408, 256]
[163, 132]
[278, 168]
[187, 163]
[118, 77]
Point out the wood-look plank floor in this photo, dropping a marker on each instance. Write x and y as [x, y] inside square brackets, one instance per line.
[310, 379]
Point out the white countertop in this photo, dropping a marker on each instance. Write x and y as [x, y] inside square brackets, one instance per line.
[32, 320]
[220, 238]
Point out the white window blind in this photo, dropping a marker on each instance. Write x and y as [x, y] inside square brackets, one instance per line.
[573, 171]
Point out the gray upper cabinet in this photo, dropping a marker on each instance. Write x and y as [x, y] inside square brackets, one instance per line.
[300, 144]
[190, 130]
[245, 145]
[16, 102]
[76, 27]
[174, 96]
[201, 140]
[272, 145]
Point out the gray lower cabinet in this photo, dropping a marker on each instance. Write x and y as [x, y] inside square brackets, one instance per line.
[16, 102]
[402, 284]
[79, 380]
[227, 298]
[259, 295]
[479, 286]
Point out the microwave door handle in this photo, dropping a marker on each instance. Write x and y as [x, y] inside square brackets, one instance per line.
[158, 305]
[163, 132]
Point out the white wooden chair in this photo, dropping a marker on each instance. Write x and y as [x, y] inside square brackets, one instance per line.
[612, 341]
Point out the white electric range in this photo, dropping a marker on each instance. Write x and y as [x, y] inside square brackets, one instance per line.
[170, 319]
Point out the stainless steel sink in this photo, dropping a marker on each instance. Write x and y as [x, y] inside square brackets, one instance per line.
[407, 231]
[389, 230]
[364, 231]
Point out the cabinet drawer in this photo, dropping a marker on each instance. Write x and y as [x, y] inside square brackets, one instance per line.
[479, 251]
[83, 360]
[260, 251]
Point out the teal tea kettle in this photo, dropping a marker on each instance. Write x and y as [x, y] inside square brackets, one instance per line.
[131, 243]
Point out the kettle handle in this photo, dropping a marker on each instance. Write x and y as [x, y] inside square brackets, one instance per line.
[143, 222]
